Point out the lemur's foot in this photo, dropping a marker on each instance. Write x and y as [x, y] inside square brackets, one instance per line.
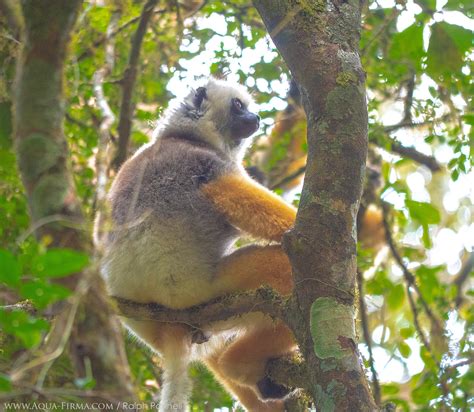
[271, 390]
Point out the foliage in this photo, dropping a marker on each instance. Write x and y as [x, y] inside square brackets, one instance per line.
[419, 77]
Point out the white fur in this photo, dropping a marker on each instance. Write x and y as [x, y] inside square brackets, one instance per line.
[212, 126]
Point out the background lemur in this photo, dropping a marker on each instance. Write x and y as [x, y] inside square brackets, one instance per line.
[177, 207]
[283, 153]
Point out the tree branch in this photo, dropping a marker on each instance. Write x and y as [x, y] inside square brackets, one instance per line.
[42, 154]
[12, 13]
[462, 277]
[408, 276]
[103, 39]
[263, 300]
[108, 117]
[368, 337]
[128, 84]
[289, 178]
[323, 57]
[411, 283]
[411, 153]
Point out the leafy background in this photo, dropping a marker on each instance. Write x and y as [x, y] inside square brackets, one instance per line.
[418, 59]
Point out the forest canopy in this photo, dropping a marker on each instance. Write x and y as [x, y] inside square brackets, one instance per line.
[125, 62]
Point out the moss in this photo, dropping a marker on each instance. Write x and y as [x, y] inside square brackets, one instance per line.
[37, 154]
[328, 364]
[325, 403]
[41, 79]
[340, 100]
[49, 195]
[345, 78]
[332, 328]
[336, 389]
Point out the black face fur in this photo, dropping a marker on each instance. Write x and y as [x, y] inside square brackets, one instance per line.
[243, 123]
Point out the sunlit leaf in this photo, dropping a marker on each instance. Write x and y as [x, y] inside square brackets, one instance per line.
[9, 268]
[60, 262]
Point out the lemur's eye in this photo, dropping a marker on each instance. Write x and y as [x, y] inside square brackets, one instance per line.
[237, 104]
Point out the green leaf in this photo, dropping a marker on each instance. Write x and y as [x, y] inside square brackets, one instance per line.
[463, 6]
[5, 383]
[404, 349]
[446, 50]
[58, 262]
[407, 332]
[43, 293]
[396, 297]
[390, 389]
[427, 390]
[87, 382]
[9, 268]
[27, 328]
[424, 213]
[429, 283]
[379, 284]
[407, 46]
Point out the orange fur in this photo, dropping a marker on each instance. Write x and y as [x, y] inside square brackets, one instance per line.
[246, 359]
[253, 266]
[240, 365]
[372, 232]
[289, 132]
[247, 396]
[251, 207]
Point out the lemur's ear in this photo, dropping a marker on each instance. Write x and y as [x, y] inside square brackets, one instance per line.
[199, 96]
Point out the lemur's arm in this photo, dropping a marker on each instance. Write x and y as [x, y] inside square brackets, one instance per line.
[250, 206]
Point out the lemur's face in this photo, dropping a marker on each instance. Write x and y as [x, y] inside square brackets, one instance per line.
[227, 106]
[243, 123]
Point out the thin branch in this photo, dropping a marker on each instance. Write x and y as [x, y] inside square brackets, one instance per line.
[408, 124]
[384, 26]
[261, 300]
[411, 153]
[289, 178]
[408, 103]
[409, 284]
[13, 16]
[130, 75]
[462, 277]
[367, 337]
[108, 117]
[408, 276]
[101, 40]
[59, 334]
[77, 122]
[25, 306]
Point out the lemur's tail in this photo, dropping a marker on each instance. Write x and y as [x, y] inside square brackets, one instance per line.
[173, 343]
[176, 388]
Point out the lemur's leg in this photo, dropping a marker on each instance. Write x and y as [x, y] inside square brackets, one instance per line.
[253, 266]
[244, 360]
[173, 343]
[246, 395]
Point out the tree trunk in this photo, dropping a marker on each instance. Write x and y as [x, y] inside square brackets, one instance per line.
[319, 42]
[43, 161]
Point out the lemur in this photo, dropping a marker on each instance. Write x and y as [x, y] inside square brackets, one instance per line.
[177, 208]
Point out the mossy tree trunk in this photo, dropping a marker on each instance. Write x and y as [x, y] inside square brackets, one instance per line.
[319, 42]
[55, 210]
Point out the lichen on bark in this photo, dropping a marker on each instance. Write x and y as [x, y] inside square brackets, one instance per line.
[332, 327]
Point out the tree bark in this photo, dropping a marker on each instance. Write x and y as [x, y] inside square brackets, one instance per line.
[319, 42]
[43, 161]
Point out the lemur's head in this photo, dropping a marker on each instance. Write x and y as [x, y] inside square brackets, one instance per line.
[215, 113]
